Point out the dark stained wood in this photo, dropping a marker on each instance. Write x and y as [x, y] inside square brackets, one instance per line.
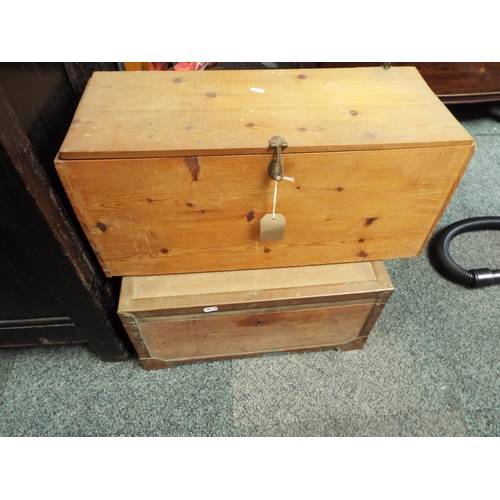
[25, 296]
[38, 334]
[44, 104]
[53, 292]
[79, 74]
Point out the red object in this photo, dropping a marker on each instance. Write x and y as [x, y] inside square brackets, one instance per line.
[192, 66]
[156, 66]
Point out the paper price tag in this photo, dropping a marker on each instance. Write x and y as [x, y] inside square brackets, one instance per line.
[272, 229]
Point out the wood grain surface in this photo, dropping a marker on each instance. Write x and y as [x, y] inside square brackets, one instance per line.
[163, 113]
[193, 293]
[198, 214]
[452, 82]
[246, 313]
[231, 335]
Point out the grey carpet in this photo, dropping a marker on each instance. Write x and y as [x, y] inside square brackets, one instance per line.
[431, 366]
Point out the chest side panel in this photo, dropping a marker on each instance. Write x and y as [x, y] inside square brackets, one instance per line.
[194, 214]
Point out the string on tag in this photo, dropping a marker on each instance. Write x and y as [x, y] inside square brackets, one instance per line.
[291, 179]
[275, 198]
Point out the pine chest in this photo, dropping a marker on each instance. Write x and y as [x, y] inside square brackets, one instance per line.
[178, 172]
[217, 315]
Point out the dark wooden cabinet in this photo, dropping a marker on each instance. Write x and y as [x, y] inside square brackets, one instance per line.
[52, 291]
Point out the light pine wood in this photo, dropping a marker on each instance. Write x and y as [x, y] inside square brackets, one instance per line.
[162, 113]
[197, 214]
[252, 316]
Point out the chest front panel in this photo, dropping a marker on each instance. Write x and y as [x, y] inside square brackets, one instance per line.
[192, 214]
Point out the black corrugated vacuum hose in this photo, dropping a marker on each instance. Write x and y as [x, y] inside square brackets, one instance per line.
[445, 265]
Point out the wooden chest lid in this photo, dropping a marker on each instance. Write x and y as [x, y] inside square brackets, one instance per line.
[254, 288]
[166, 114]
